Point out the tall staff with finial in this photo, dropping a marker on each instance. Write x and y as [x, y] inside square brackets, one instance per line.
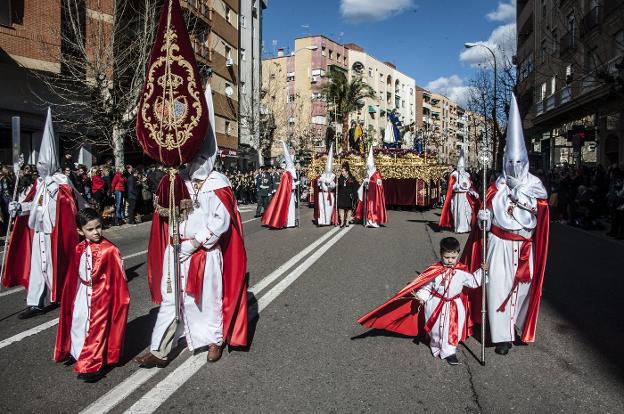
[484, 159]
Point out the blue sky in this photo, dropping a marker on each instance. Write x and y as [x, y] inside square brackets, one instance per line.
[423, 38]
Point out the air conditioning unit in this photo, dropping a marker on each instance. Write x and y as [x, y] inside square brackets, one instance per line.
[229, 62]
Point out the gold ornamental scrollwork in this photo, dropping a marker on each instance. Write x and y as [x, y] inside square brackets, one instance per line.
[174, 114]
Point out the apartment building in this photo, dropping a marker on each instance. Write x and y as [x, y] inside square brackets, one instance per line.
[30, 40]
[444, 125]
[214, 33]
[250, 61]
[292, 85]
[394, 91]
[570, 59]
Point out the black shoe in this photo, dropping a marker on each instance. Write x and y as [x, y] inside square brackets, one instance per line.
[452, 359]
[91, 376]
[30, 312]
[502, 348]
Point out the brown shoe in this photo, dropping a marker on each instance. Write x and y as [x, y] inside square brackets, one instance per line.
[214, 352]
[149, 360]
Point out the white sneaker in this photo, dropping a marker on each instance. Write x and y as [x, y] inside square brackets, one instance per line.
[372, 225]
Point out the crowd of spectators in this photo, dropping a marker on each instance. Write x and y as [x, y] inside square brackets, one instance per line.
[588, 197]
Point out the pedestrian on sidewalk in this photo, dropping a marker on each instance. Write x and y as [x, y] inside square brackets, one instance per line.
[118, 186]
[440, 290]
[133, 193]
[94, 307]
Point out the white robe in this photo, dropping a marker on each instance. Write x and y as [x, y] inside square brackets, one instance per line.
[201, 324]
[82, 305]
[460, 207]
[447, 285]
[42, 219]
[502, 257]
[292, 209]
[327, 185]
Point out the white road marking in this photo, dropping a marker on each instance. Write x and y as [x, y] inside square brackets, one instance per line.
[253, 219]
[265, 300]
[30, 332]
[153, 399]
[12, 290]
[266, 281]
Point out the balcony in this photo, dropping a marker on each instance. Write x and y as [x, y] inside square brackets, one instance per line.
[567, 42]
[199, 7]
[591, 20]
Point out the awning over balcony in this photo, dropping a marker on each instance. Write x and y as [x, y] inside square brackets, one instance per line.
[371, 109]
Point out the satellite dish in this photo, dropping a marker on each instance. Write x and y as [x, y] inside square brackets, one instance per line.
[229, 91]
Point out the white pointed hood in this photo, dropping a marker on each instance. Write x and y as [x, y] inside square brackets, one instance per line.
[516, 159]
[47, 162]
[329, 164]
[290, 165]
[461, 162]
[200, 167]
[370, 163]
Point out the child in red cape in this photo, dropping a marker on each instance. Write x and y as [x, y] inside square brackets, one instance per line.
[94, 307]
[440, 289]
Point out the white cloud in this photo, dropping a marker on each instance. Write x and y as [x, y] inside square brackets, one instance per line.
[505, 12]
[453, 87]
[502, 41]
[373, 10]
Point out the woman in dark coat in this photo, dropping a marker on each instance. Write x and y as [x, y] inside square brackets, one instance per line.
[347, 195]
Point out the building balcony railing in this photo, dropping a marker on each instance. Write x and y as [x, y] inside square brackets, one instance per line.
[200, 49]
[602, 76]
[200, 7]
[567, 42]
[591, 20]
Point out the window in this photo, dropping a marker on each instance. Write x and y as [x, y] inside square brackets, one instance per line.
[290, 76]
[323, 51]
[243, 20]
[543, 91]
[553, 85]
[228, 128]
[370, 72]
[290, 98]
[243, 89]
[543, 50]
[272, 76]
[228, 14]
[568, 74]
[243, 55]
[228, 52]
[331, 54]
[338, 57]
[572, 27]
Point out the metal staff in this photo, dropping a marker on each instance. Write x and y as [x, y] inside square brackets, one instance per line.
[484, 161]
[297, 200]
[16, 169]
[175, 244]
[365, 203]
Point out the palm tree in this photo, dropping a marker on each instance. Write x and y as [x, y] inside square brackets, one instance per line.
[348, 97]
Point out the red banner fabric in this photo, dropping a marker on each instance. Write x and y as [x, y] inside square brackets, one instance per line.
[172, 120]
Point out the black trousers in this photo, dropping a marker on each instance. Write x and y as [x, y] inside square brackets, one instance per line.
[131, 208]
[263, 202]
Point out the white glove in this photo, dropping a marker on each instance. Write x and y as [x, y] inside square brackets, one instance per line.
[187, 248]
[474, 193]
[14, 208]
[485, 219]
[512, 182]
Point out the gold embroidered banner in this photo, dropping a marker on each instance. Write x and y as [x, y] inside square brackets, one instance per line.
[173, 118]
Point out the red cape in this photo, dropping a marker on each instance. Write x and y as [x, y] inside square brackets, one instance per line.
[64, 240]
[400, 314]
[317, 194]
[276, 214]
[446, 218]
[375, 202]
[473, 255]
[110, 300]
[234, 270]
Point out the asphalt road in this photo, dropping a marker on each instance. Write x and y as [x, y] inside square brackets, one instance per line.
[307, 288]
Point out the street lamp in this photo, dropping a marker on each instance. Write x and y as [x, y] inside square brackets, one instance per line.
[310, 47]
[470, 46]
